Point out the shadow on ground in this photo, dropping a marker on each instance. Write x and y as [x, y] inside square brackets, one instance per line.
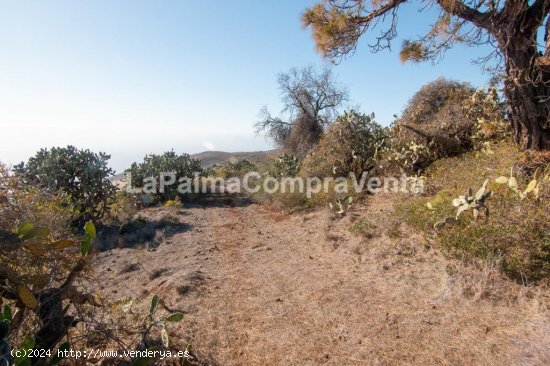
[150, 232]
[218, 200]
[139, 233]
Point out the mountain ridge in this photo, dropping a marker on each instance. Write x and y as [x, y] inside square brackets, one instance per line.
[210, 158]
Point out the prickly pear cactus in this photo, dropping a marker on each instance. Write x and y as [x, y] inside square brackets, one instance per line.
[341, 206]
[477, 203]
[532, 189]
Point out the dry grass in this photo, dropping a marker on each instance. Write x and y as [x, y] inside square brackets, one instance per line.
[517, 234]
[260, 287]
[298, 201]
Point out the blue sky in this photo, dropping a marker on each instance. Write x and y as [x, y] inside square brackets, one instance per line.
[132, 77]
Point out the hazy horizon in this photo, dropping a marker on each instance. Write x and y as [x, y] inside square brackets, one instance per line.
[131, 78]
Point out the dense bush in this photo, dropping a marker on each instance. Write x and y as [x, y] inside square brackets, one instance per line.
[432, 126]
[48, 294]
[487, 109]
[20, 203]
[285, 165]
[35, 269]
[183, 166]
[38, 263]
[81, 174]
[125, 207]
[351, 144]
[237, 168]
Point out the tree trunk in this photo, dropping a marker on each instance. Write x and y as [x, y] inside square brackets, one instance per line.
[527, 90]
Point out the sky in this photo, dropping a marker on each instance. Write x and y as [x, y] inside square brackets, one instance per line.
[132, 77]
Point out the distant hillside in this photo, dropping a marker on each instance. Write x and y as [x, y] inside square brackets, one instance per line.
[209, 158]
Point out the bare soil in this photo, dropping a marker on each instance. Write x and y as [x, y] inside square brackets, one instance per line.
[262, 287]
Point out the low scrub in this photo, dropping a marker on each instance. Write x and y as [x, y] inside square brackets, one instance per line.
[237, 168]
[515, 230]
[183, 166]
[125, 206]
[444, 119]
[20, 202]
[284, 165]
[350, 145]
[49, 296]
[81, 175]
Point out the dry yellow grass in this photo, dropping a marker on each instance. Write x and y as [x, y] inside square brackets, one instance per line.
[517, 234]
[260, 287]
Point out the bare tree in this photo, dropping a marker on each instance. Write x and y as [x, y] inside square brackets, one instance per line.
[311, 101]
[511, 27]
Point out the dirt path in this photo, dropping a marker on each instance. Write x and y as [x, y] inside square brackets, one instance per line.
[260, 287]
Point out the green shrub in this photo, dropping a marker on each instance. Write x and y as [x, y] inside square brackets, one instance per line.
[38, 290]
[407, 157]
[341, 206]
[210, 171]
[46, 287]
[285, 165]
[183, 166]
[80, 174]
[350, 145]
[126, 205]
[237, 168]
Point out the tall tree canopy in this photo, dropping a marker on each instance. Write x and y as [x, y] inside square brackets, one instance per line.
[311, 99]
[512, 27]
